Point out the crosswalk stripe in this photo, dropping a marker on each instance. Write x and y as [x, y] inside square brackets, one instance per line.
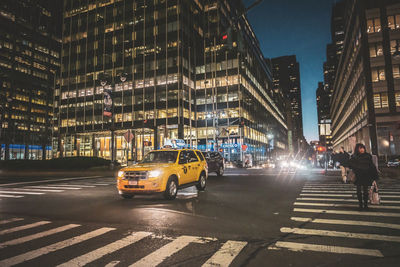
[11, 220]
[112, 264]
[349, 212]
[52, 180]
[38, 235]
[226, 254]
[345, 195]
[161, 254]
[75, 185]
[54, 187]
[382, 192]
[10, 196]
[324, 248]
[38, 190]
[347, 222]
[101, 184]
[344, 200]
[23, 227]
[53, 247]
[103, 251]
[344, 205]
[19, 192]
[300, 231]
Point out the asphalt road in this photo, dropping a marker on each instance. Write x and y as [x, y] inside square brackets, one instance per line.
[251, 217]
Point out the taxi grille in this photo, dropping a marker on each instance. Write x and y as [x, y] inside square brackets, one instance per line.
[136, 175]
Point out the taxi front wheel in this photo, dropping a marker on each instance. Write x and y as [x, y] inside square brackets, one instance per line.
[171, 189]
[201, 185]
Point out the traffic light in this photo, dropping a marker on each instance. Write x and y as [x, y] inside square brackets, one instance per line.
[227, 38]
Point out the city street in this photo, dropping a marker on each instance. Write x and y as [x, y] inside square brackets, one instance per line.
[254, 217]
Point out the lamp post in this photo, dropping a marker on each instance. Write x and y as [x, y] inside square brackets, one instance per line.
[109, 108]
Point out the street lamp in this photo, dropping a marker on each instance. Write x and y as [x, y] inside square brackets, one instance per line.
[110, 103]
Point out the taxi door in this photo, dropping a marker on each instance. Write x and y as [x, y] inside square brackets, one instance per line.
[183, 167]
[194, 166]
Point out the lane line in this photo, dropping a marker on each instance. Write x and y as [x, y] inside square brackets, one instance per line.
[37, 235]
[19, 192]
[101, 184]
[54, 187]
[348, 222]
[74, 185]
[10, 196]
[344, 200]
[108, 249]
[39, 190]
[226, 254]
[349, 212]
[300, 231]
[53, 247]
[53, 180]
[23, 227]
[164, 252]
[299, 247]
[345, 205]
[347, 191]
[11, 220]
[345, 195]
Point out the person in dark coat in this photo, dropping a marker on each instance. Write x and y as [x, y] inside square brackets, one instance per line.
[365, 171]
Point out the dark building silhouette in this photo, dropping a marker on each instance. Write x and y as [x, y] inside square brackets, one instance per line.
[324, 121]
[29, 59]
[286, 78]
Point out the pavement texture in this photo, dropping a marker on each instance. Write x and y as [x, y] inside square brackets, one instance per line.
[248, 217]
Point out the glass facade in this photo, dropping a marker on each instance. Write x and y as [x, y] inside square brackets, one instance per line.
[29, 59]
[182, 82]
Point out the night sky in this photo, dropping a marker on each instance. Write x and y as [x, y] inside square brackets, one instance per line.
[301, 28]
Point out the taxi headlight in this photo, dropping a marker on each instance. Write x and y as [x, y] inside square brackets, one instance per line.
[154, 174]
[121, 174]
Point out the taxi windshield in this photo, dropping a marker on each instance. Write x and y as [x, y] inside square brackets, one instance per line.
[161, 157]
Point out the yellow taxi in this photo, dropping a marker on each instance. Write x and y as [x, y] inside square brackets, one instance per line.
[164, 171]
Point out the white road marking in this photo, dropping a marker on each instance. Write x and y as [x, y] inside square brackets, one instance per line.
[381, 192]
[38, 235]
[226, 254]
[53, 180]
[112, 264]
[345, 205]
[102, 184]
[38, 190]
[103, 251]
[344, 200]
[347, 222]
[349, 212]
[54, 187]
[10, 196]
[23, 227]
[19, 192]
[11, 220]
[323, 248]
[345, 195]
[161, 254]
[73, 185]
[300, 231]
[53, 247]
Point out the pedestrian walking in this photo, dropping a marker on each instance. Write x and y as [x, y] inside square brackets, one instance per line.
[343, 158]
[365, 171]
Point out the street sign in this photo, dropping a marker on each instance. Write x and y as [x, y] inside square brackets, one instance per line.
[128, 136]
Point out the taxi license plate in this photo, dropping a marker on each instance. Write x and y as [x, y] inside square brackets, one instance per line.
[133, 182]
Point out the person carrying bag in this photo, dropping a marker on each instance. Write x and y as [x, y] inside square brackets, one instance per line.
[374, 197]
[365, 174]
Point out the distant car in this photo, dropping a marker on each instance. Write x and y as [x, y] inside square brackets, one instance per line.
[215, 162]
[393, 163]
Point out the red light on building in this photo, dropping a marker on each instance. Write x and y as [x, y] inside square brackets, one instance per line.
[321, 149]
[224, 37]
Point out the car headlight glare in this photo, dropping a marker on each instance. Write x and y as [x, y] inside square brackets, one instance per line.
[121, 174]
[154, 173]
